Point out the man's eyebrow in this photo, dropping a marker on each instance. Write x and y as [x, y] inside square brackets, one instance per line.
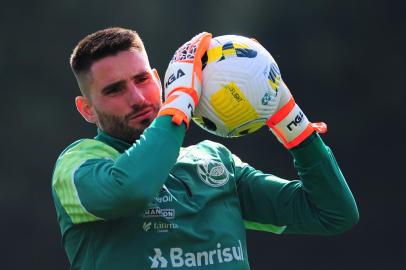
[141, 74]
[115, 85]
[112, 87]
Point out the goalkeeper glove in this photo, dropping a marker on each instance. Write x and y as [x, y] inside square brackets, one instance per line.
[183, 80]
[288, 123]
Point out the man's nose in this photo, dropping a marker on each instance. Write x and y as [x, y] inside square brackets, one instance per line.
[136, 96]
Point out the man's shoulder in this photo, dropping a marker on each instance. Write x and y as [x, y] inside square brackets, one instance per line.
[77, 154]
[205, 149]
[89, 148]
[213, 144]
[82, 150]
[207, 145]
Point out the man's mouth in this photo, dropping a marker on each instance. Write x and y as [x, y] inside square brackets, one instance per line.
[140, 115]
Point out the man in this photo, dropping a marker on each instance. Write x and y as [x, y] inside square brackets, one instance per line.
[132, 198]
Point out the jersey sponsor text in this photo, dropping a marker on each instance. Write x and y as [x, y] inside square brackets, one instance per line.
[179, 258]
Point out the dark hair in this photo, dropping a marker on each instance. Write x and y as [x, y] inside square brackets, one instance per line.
[103, 43]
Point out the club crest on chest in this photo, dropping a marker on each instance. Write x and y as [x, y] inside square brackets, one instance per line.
[212, 173]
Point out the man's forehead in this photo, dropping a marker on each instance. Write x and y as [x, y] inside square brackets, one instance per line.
[113, 68]
[122, 62]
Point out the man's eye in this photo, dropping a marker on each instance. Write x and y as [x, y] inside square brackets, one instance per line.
[141, 79]
[112, 90]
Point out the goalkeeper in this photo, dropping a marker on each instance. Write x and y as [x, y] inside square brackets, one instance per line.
[133, 198]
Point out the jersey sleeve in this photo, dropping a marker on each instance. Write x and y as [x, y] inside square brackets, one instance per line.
[319, 203]
[92, 181]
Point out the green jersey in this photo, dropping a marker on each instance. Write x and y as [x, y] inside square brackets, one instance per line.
[155, 205]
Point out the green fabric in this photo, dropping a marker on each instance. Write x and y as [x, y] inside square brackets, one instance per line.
[63, 177]
[163, 206]
[319, 203]
[264, 227]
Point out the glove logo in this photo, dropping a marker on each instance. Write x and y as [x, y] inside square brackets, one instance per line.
[212, 173]
[296, 121]
[174, 77]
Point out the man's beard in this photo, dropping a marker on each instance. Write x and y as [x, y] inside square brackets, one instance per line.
[118, 127]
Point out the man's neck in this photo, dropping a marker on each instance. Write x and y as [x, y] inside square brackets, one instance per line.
[114, 142]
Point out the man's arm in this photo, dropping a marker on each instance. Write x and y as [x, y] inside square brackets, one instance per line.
[319, 203]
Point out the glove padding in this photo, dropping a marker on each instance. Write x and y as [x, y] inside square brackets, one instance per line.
[183, 79]
[289, 124]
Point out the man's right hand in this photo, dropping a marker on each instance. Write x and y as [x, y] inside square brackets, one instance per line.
[183, 79]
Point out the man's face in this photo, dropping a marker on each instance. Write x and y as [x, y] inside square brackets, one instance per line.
[124, 94]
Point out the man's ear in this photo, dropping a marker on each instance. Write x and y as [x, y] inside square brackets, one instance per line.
[85, 109]
[158, 80]
[156, 75]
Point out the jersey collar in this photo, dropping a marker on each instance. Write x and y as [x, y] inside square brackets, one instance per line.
[117, 144]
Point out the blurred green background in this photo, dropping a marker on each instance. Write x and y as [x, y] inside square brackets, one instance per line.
[343, 60]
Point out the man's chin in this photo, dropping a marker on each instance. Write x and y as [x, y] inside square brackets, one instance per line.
[129, 136]
[142, 120]
[126, 130]
[133, 132]
[140, 125]
[128, 133]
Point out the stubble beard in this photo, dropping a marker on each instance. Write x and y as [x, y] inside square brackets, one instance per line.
[118, 127]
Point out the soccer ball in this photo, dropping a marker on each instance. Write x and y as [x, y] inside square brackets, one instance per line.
[239, 88]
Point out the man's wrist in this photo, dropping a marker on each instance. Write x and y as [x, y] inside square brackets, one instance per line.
[165, 122]
[310, 151]
[180, 105]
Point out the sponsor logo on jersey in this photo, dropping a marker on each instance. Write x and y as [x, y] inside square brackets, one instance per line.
[164, 198]
[159, 226]
[158, 212]
[212, 172]
[146, 226]
[178, 257]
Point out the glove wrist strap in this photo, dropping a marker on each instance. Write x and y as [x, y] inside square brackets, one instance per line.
[180, 105]
[291, 126]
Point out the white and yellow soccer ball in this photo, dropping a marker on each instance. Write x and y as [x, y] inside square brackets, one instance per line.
[239, 88]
